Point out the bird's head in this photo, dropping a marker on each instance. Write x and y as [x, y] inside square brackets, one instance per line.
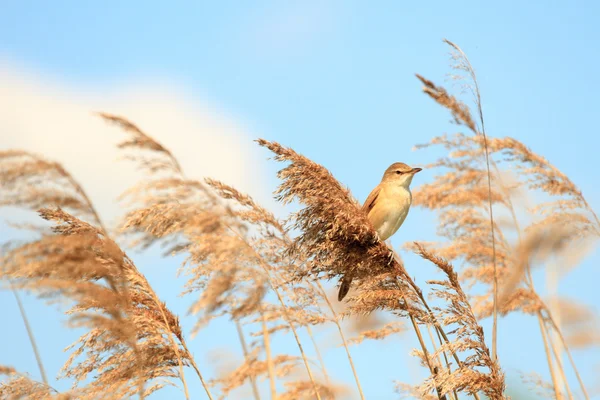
[399, 174]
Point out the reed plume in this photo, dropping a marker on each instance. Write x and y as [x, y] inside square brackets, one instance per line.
[265, 276]
[233, 247]
[127, 342]
[564, 222]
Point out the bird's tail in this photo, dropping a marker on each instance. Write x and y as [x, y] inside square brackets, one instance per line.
[344, 287]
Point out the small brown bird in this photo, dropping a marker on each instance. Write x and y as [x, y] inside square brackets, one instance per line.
[387, 207]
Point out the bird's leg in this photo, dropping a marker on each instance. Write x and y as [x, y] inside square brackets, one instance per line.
[378, 237]
[392, 255]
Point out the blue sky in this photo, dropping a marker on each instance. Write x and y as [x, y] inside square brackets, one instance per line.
[335, 81]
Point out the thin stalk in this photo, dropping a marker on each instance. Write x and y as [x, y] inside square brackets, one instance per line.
[477, 94]
[556, 328]
[314, 342]
[548, 343]
[125, 301]
[566, 347]
[443, 352]
[80, 190]
[551, 283]
[311, 335]
[557, 391]
[240, 332]
[339, 326]
[176, 349]
[561, 370]
[425, 354]
[270, 368]
[543, 329]
[287, 317]
[489, 184]
[419, 293]
[529, 281]
[268, 269]
[511, 208]
[293, 328]
[32, 340]
[34, 346]
[170, 335]
[102, 227]
[193, 362]
[439, 358]
[418, 331]
[495, 321]
[286, 239]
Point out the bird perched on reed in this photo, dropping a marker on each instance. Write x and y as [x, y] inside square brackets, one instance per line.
[387, 207]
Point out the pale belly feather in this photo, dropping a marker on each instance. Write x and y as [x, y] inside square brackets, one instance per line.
[397, 215]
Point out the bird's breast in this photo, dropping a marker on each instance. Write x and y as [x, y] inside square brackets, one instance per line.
[390, 211]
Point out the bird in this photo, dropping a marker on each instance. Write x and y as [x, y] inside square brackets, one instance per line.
[386, 207]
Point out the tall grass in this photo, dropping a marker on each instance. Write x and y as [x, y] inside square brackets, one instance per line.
[264, 274]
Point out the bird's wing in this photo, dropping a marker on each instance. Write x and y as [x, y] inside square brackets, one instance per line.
[370, 202]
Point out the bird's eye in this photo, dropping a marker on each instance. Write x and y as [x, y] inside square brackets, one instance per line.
[398, 173]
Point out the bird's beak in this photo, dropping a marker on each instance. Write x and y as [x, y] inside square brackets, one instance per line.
[415, 170]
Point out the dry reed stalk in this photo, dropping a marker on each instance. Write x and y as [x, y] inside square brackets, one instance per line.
[473, 250]
[119, 313]
[427, 358]
[304, 320]
[570, 209]
[335, 234]
[24, 179]
[430, 317]
[323, 244]
[566, 347]
[288, 318]
[463, 116]
[469, 336]
[439, 353]
[319, 357]
[466, 66]
[555, 386]
[195, 366]
[541, 318]
[545, 177]
[169, 200]
[235, 255]
[561, 370]
[176, 207]
[447, 345]
[28, 170]
[240, 331]
[270, 367]
[254, 214]
[553, 181]
[29, 181]
[336, 321]
[30, 335]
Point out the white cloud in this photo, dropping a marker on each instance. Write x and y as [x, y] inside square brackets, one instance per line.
[56, 120]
